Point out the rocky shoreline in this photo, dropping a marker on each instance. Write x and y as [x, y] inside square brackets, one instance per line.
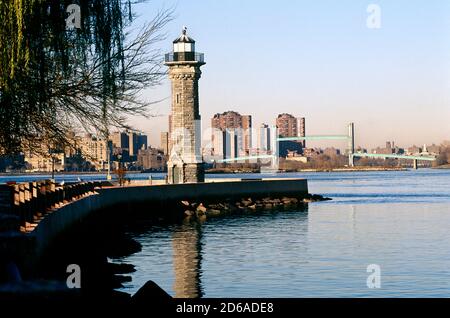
[204, 210]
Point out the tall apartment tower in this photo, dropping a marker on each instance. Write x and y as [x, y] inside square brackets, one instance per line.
[287, 125]
[247, 131]
[185, 163]
[351, 144]
[233, 121]
[165, 142]
[264, 141]
[302, 130]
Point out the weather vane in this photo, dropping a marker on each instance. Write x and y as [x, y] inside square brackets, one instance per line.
[184, 30]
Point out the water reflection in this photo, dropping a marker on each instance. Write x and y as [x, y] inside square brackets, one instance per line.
[187, 246]
[395, 220]
[234, 252]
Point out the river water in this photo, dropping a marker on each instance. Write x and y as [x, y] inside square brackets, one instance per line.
[396, 220]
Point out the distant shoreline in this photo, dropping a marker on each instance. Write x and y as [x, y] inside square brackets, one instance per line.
[65, 173]
[237, 171]
[442, 167]
[223, 171]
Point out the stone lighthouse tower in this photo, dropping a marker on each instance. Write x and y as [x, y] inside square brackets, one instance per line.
[185, 163]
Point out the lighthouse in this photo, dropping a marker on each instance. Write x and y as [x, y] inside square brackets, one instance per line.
[185, 164]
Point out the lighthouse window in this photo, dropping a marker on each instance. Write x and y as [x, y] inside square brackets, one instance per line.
[178, 98]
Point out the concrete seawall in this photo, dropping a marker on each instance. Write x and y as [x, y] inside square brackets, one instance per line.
[204, 191]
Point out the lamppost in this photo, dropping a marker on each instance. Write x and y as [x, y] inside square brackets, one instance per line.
[53, 168]
[52, 152]
[119, 160]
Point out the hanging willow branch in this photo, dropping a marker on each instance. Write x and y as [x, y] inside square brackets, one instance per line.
[53, 79]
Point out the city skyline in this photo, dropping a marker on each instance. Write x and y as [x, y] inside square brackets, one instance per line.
[319, 58]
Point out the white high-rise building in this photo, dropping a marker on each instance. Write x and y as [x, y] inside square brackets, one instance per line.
[264, 141]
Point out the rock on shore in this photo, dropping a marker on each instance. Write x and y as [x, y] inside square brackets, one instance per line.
[201, 210]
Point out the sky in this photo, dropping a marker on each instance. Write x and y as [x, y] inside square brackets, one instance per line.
[317, 59]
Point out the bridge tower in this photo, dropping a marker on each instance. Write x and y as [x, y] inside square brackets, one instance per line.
[185, 164]
[351, 144]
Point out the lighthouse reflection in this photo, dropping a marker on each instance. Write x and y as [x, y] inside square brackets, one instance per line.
[186, 244]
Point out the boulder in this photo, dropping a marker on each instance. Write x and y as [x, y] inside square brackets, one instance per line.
[149, 293]
[201, 208]
[213, 212]
[194, 205]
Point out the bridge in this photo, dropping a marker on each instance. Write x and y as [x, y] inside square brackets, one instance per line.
[394, 156]
[350, 138]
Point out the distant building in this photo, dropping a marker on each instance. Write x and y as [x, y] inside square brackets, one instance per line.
[227, 120]
[434, 149]
[290, 126]
[45, 163]
[233, 121]
[414, 150]
[264, 139]
[289, 146]
[136, 142]
[12, 162]
[247, 133]
[120, 140]
[218, 144]
[311, 152]
[151, 159]
[293, 156]
[95, 150]
[388, 150]
[331, 152]
[127, 144]
[287, 126]
[361, 150]
[165, 143]
[302, 129]
[234, 139]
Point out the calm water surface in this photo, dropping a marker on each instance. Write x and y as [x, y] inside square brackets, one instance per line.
[398, 220]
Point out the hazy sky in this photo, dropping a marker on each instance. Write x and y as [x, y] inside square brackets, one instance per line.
[318, 59]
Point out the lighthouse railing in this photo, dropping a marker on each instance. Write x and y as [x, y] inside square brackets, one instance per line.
[185, 57]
